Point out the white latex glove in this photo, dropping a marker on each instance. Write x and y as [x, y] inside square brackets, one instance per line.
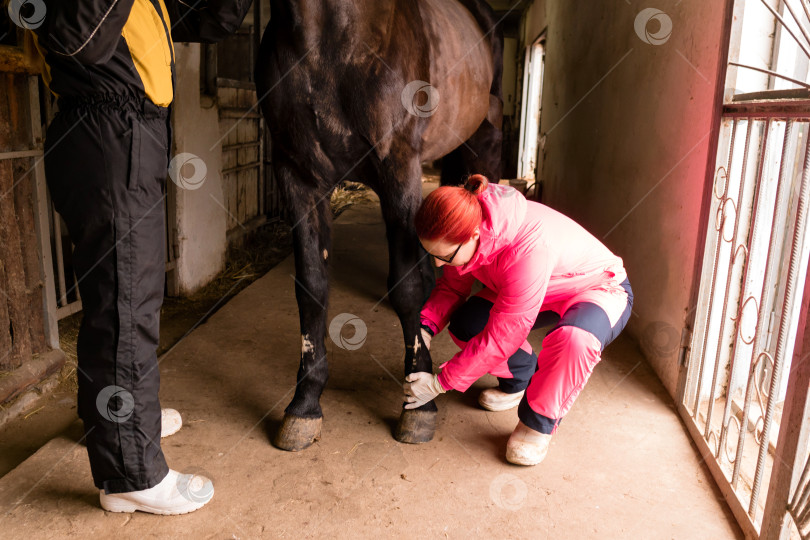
[421, 387]
[426, 337]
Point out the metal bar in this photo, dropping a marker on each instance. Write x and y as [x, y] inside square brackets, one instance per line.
[22, 153]
[60, 263]
[798, 22]
[797, 507]
[802, 492]
[723, 311]
[801, 517]
[761, 311]
[785, 26]
[804, 7]
[781, 342]
[752, 237]
[772, 73]
[719, 242]
[801, 489]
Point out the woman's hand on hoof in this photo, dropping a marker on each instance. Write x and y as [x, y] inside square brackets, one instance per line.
[421, 387]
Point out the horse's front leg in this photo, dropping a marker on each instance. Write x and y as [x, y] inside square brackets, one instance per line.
[410, 279]
[312, 244]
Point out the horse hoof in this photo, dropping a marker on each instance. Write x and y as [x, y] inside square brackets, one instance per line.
[296, 433]
[416, 426]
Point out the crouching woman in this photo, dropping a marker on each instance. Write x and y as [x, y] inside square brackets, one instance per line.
[538, 267]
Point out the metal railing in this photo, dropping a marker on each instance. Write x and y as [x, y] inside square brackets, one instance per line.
[747, 310]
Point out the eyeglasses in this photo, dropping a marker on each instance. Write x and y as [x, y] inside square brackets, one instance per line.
[446, 260]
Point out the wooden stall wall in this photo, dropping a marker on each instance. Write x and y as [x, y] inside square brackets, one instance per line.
[22, 332]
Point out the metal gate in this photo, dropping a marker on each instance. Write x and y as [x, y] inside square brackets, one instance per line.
[747, 311]
[750, 305]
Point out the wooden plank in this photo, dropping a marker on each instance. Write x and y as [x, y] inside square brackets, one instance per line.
[231, 83]
[230, 192]
[30, 374]
[237, 112]
[6, 346]
[10, 246]
[26, 229]
[21, 154]
[252, 194]
[14, 60]
[241, 214]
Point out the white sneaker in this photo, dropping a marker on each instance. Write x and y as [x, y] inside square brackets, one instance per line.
[176, 494]
[170, 422]
[527, 446]
[492, 399]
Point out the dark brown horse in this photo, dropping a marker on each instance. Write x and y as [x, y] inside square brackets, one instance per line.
[367, 90]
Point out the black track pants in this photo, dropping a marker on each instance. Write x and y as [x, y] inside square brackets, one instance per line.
[106, 163]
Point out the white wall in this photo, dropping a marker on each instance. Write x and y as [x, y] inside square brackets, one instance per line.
[627, 126]
[200, 221]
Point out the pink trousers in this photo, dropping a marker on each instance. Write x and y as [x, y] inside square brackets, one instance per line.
[585, 324]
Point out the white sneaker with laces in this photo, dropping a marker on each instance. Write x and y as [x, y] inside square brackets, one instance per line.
[170, 422]
[176, 494]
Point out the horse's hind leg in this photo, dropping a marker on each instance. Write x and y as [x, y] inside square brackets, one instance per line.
[311, 218]
[410, 278]
[480, 154]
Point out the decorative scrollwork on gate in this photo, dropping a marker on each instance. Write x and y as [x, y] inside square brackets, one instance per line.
[739, 320]
[761, 392]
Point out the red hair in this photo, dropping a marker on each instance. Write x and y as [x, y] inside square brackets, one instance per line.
[451, 213]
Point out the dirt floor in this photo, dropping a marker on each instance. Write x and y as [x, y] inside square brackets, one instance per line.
[621, 465]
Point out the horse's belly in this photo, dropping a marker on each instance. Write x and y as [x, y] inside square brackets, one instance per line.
[460, 73]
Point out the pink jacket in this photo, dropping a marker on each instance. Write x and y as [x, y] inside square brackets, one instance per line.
[532, 258]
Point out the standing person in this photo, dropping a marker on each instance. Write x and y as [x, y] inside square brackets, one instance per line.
[111, 65]
[538, 267]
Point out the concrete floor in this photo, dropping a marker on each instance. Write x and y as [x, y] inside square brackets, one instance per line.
[621, 465]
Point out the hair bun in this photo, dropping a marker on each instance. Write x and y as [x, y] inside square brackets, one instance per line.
[476, 184]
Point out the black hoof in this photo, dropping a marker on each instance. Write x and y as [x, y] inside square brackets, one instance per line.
[296, 433]
[416, 426]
